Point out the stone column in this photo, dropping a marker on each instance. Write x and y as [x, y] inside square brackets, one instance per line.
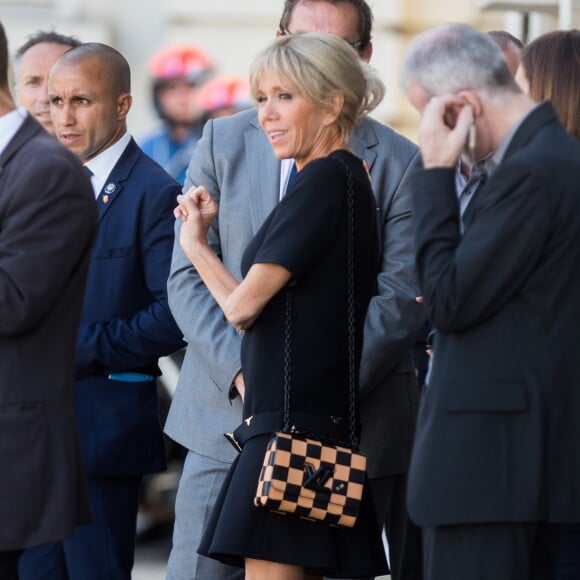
[569, 14]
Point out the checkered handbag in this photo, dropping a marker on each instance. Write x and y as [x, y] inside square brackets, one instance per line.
[302, 475]
[311, 480]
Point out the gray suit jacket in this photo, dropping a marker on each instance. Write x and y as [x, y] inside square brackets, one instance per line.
[235, 162]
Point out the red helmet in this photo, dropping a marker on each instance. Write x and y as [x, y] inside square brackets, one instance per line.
[185, 62]
[180, 62]
[224, 92]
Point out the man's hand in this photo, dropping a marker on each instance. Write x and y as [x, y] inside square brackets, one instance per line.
[444, 130]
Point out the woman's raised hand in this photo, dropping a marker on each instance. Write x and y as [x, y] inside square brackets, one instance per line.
[197, 210]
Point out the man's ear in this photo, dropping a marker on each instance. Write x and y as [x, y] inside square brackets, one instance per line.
[471, 98]
[367, 52]
[124, 103]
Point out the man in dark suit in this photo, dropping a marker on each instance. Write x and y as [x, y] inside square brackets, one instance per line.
[126, 323]
[495, 462]
[235, 162]
[47, 226]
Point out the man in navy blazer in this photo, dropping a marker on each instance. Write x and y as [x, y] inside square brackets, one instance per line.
[126, 323]
[495, 465]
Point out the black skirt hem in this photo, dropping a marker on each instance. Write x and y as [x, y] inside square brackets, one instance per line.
[237, 560]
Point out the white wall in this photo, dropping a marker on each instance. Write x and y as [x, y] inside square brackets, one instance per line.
[232, 32]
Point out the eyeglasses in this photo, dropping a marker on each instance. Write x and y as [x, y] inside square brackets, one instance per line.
[358, 45]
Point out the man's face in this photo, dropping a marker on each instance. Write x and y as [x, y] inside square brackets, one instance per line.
[177, 101]
[522, 80]
[87, 117]
[477, 147]
[320, 16]
[417, 96]
[31, 80]
[512, 58]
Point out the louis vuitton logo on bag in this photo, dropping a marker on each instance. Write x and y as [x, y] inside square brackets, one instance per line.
[316, 478]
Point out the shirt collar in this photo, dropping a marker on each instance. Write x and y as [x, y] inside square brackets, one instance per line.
[102, 165]
[9, 125]
[285, 170]
[493, 162]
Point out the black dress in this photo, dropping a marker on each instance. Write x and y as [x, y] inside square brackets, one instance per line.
[307, 234]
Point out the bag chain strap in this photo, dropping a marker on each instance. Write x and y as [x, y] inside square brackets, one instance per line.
[353, 439]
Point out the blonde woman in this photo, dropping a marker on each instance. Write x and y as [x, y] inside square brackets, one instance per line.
[310, 90]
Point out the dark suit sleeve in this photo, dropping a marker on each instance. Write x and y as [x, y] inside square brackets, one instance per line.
[394, 318]
[465, 280]
[40, 245]
[151, 332]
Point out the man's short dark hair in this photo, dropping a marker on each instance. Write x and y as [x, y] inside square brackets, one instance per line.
[365, 16]
[505, 40]
[48, 37]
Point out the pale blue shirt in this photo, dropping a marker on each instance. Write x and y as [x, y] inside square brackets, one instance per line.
[285, 169]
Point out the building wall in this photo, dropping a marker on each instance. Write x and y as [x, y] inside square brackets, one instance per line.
[232, 32]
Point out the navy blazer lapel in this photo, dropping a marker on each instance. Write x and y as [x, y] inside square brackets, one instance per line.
[263, 174]
[115, 181]
[364, 141]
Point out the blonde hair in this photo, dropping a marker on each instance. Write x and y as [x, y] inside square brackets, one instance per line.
[319, 66]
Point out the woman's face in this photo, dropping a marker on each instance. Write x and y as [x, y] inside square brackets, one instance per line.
[522, 80]
[295, 127]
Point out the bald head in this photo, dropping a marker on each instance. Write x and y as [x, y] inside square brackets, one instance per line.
[115, 71]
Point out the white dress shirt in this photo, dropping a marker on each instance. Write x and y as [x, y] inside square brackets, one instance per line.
[9, 125]
[285, 170]
[102, 165]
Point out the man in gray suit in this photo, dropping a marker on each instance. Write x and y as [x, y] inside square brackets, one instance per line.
[235, 162]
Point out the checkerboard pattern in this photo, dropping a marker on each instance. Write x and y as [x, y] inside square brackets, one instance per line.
[334, 475]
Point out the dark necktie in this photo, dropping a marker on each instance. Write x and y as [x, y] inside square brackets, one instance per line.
[292, 176]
